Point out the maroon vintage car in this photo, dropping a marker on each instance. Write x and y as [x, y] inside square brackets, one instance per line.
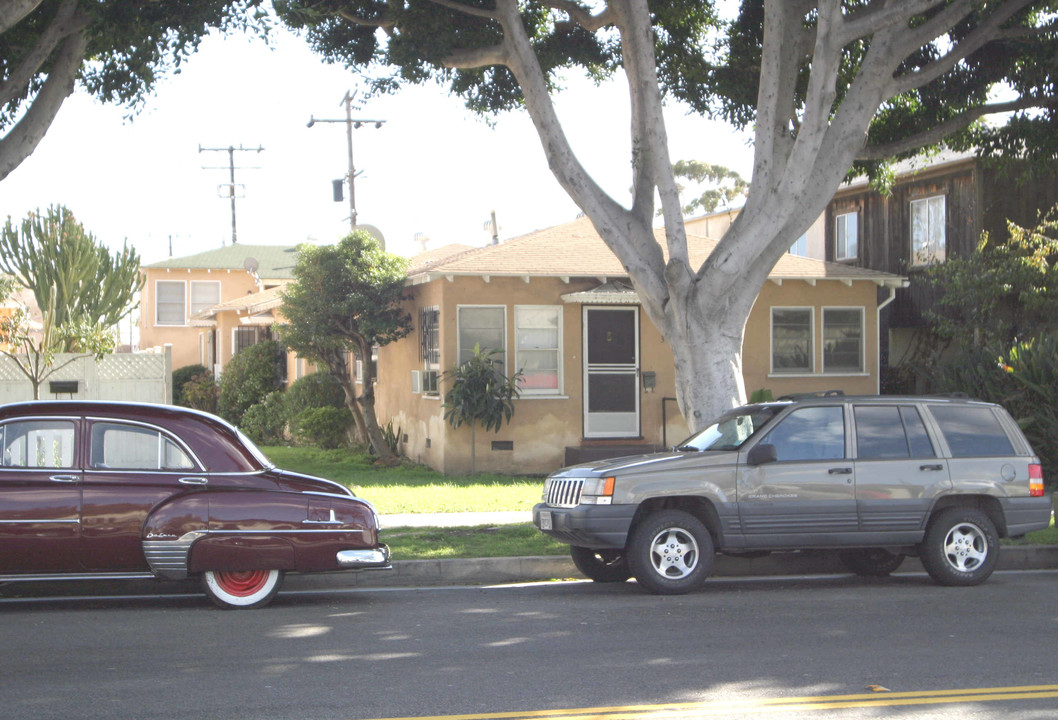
[93, 490]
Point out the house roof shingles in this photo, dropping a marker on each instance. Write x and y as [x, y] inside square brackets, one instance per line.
[273, 261]
[576, 249]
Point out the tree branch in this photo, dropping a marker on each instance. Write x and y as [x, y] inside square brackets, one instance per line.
[581, 15]
[23, 138]
[468, 10]
[938, 132]
[14, 11]
[879, 16]
[469, 58]
[61, 26]
[983, 34]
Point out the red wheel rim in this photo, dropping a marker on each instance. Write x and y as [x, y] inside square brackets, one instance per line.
[241, 583]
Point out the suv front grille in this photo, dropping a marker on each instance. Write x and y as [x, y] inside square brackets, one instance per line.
[564, 492]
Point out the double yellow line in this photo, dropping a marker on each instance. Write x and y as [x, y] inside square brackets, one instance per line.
[681, 711]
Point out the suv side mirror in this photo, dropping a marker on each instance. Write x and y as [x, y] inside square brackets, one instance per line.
[761, 454]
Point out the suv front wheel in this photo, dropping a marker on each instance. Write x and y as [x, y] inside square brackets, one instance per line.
[670, 552]
[605, 566]
[960, 548]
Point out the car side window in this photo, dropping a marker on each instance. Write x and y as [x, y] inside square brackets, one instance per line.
[129, 447]
[972, 431]
[38, 444]
[812, 433]
[890, 432]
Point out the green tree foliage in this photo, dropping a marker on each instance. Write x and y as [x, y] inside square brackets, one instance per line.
[69, 271]
[116, 50]
[1003, 292]
[480, 395]
[265, 422]
[249, 377]
[319, 389]
[826, 87]
[714, 186]
[344, 299]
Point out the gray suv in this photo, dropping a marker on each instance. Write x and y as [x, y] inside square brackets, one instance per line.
[878, 478]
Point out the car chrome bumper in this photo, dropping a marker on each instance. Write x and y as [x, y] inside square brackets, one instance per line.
[375, 559]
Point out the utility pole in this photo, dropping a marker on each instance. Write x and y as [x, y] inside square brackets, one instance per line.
[231, 186]
[350, 124]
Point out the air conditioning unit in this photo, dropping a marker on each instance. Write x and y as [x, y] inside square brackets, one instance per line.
[416, 381]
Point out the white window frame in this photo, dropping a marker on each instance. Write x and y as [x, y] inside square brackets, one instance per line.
[863, 340]
[557, 309]
[459, 333]
[158, 303]
[191, 303]
[841, 232]
[931, 255]
[428, 382]
[786, 372]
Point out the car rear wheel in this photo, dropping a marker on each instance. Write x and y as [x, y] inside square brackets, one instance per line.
[670, 552]
[873, 562]
[961, 547]
[606, 566]
[241, 588]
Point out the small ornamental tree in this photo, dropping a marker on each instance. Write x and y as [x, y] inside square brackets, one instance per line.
[1002, 293]
[480, 394]
[346, 298]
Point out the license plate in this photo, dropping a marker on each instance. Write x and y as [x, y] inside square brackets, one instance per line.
[545, 520]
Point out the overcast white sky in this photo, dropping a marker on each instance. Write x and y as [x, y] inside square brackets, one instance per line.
[433, 168]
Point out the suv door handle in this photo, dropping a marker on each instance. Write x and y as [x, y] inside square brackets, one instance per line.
[840, 471]
[938, 466]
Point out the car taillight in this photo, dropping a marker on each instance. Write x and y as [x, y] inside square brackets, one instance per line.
[1036, 480]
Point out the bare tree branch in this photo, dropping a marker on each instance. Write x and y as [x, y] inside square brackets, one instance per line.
[880, 15]
[581, 15]
[983, 34]
[468, 9]
[938, 132]
[61, 26]
[364, 22]
[14, 11]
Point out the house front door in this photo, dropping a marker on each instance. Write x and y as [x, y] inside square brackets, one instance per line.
[611, 372]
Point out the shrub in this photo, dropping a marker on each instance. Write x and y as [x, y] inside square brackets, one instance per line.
[180, 378]
[202, 393]
[265, 422]
[320, 389]
[322, 427]
[250, 375]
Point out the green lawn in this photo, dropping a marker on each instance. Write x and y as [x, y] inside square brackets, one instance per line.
[417, 489]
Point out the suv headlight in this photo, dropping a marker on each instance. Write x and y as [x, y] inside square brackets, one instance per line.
[597, 491]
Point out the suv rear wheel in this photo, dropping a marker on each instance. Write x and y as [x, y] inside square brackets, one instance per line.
[670, 552]
[601, 565]
[960, 548]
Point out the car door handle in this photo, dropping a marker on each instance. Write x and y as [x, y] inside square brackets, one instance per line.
[840, 471]
[63, 478]
[193, 481]
[931, 467]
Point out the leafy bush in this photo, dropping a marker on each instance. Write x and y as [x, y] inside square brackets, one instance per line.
[1024, 379]
[180, 378]
[202, 393]
[320, 389]
[265, 422]
[250, 375]
[323, 427]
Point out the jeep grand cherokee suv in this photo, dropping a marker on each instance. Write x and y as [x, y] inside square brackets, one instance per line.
[879, 478]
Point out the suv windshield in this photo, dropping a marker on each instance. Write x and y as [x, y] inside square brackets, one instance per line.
[732, 429]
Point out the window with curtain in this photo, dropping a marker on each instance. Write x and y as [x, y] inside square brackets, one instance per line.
[538, 349]
[169, 303]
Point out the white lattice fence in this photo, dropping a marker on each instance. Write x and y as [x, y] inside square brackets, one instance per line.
[136, 377]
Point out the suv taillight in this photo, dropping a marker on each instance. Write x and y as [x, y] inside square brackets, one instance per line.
[1036, 480]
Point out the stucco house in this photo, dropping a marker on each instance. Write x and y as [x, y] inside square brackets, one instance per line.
[201, 304]
[599, 377]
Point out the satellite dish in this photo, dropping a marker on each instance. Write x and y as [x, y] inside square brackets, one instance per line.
[250, 264]
[373, 232]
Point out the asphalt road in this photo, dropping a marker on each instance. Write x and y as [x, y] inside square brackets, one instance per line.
[836, 646]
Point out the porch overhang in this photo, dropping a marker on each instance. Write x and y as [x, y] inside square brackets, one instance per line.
[612, 292]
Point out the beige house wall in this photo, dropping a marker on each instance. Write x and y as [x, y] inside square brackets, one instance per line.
[543, 426]
[185, 337]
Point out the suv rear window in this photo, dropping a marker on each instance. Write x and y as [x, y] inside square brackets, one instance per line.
[972, 431]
